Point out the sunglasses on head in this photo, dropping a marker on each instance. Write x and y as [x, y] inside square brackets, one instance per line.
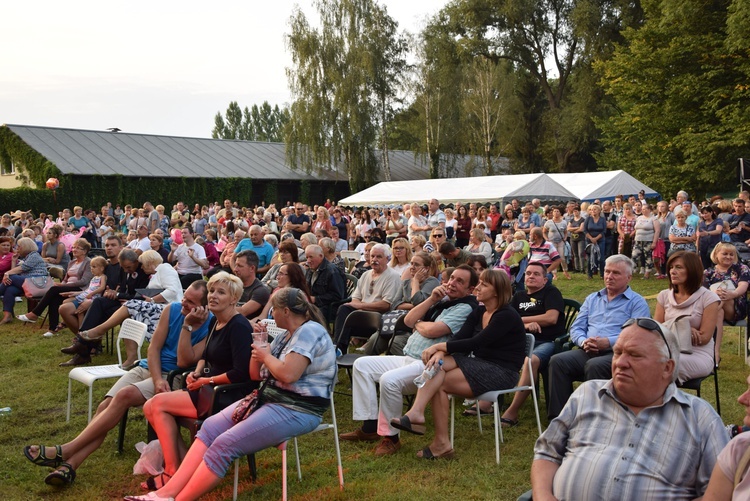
[650, 325]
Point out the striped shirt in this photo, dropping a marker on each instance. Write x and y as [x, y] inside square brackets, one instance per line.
[605, 451]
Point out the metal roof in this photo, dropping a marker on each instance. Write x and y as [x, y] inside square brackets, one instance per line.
[91, 152]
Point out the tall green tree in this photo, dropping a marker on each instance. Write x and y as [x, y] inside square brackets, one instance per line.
[338, 100]
[550, 40]
[262, 123]
[681, 99]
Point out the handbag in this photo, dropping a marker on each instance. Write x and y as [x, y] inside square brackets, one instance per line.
[680, 326]
[37, 286]
[252, 401]
[203, 399]
[247, 405]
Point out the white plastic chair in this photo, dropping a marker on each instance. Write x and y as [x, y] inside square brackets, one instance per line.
[130, 329]
[494, 396]
[283, 446]
[271, 328]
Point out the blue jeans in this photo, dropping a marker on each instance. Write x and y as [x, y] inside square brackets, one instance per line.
[268, 426]
[600, 243]
[544, 351]
[9, 292]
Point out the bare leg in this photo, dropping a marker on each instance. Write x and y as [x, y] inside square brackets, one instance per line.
[67, 312]
[108, 415]
[425, 393]
[454, 384]
[185, 473]
[161, 412]
[131, 348]
[520, 397]
[116, 319]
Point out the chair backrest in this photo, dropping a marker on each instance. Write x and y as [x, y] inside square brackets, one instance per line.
[351, 284]
[351, 254]
[361, 324]
[134, 331]
[530, 340]
[272, 328]
[572, 307]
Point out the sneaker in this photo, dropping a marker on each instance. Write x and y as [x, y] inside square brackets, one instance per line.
[359, 436]
[50, 334]
[386, 447]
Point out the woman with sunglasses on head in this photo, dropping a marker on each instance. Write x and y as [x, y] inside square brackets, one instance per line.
[687, 296]
[298, 367]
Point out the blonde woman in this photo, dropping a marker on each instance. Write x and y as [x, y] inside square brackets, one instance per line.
[401, 255]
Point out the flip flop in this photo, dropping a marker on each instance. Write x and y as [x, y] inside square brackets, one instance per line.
[426, 453]
[405, 424]
[61, 477]
[472, 411]
[508, 423]
[156, 482]
[41, 458]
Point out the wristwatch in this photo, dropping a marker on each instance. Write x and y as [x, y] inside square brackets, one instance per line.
[187, 327]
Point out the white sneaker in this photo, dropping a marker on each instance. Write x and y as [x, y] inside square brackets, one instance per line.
[50, 334]
[19, 299]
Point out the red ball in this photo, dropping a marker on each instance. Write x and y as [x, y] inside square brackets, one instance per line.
[52, 183]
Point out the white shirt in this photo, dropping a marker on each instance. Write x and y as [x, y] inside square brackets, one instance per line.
[185, 264]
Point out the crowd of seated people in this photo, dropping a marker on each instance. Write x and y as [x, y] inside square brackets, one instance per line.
[404, 250]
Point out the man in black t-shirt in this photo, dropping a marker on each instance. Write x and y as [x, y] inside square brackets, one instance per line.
[542, 309]
[298, 222]
[739, 222]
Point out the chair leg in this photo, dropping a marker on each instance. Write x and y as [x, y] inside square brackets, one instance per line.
[70, 383]
[91, 399]
[338, 448]
[283, 471]
[236, 478]
[253, 467]
[479, 415]
[716, 386]
[296, 453]
[498, 429]
[453, 404]
[121, 434]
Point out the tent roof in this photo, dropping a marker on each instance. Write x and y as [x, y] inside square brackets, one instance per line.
[474, 189]
[588, 186]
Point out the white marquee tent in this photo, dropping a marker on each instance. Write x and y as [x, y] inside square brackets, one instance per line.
[588, 186]
[466, 189]
[547, 187]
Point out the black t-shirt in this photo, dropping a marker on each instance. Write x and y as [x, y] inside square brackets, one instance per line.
[547, 298]
[302, 219]
[734, 221]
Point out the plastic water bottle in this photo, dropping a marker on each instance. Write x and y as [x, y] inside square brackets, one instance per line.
[5, 411]
[427, 374]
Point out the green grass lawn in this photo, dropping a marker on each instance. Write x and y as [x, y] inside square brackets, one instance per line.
[36, 389]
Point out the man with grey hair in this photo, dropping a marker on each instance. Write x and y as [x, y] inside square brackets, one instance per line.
[305, 240]
[634, 436]
[377, 290]
[595, 331]
[326, 282]
[435, 216]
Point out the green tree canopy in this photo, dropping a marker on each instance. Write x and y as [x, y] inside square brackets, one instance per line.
[262, 123]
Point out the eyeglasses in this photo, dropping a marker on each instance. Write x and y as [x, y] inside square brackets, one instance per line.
[438, 235]
[399, 248]
[367, 237]
[650, 325]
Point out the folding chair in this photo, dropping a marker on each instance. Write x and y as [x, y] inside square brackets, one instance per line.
[283, 446]
[495, 396]
[130, 329]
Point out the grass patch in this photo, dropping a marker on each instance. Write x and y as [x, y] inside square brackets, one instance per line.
[36, 389]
